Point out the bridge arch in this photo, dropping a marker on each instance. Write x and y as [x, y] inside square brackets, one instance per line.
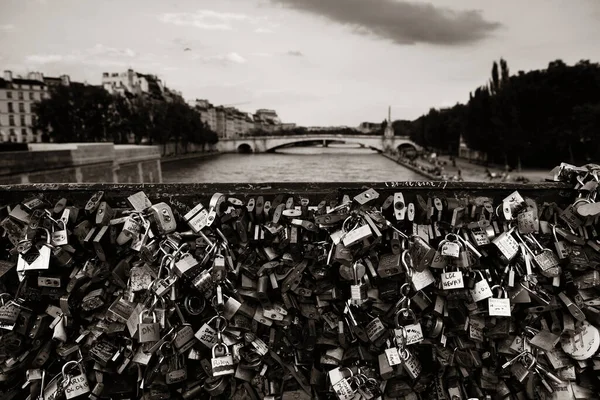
[261, 144]
[406, 146]
[372, 142]
[244, 148]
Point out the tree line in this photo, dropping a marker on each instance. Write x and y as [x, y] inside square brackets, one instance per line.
[535, 119]
[85, 113]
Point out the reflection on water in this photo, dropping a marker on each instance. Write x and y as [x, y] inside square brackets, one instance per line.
[339, 163]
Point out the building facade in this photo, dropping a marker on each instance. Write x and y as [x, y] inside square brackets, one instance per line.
[229, 122]
[208, 113]
[135, 83]
[17, 97]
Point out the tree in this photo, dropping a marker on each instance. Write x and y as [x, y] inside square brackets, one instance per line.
[81, 113]
[537, 118]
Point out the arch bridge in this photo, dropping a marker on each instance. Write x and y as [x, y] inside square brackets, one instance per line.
[264, 144]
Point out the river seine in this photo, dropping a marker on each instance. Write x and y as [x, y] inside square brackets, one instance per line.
[340, 163]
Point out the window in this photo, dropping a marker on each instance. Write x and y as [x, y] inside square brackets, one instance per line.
[21, 107]
[31, 96]
[10, 107]
[11, 120]
[23, 120]
[9, 95]
[11, 134]
[20, 95]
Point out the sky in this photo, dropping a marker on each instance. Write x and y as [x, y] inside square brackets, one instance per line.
[316, 62]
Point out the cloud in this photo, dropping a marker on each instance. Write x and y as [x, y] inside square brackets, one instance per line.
[295, 53]
[402, 22]
[44, 58]
[262, 54]
[98, 55]
[229, 58]
[100, 49]
[7, 28]
[264, 30]
[204, 19]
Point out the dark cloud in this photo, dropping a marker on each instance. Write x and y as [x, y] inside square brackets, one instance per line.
[402, 22]
[295, 53]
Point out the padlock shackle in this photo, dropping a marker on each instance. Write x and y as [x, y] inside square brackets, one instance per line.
[146, 312]
[502, 292]
[405, 311]
[64, 369]
[407, 263]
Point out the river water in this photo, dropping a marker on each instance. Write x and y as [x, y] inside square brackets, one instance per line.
[340, 163]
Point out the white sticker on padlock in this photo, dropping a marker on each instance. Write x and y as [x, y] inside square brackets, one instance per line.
[393, 357]
[507, 245]
[450, 249]
[375, 329]
[583, 344]
[78, 385]
[343, 390]
[421, 280]
[452, 280]
[481, 291]
[414, 333]
[499, 307]
[207, 336]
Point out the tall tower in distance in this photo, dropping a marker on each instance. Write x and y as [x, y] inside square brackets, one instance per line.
[389, 129]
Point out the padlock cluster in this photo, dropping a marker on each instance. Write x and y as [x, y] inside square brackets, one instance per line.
[408, 295]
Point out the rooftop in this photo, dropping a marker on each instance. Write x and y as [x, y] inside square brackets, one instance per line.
[21, 81]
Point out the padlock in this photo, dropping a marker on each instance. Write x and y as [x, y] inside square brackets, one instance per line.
[163, 217]
[545, 259]
[104, 214]
[389, 265]
[358, 290]
[419, 280]
[481, 289]
[410, 330]
[223, 364]
[37, 259]
[506, 245]
[499, 307]
[148, 332]
[60, 237]
[183, 338]
[421, 253]
[177, 371]
[452, 279]
[77, 385]
[450, 246]
[131, 228]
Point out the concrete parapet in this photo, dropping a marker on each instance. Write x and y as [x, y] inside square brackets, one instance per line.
[81, 163]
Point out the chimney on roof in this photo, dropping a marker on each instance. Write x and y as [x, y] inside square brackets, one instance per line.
[65, 80]
[8, 76]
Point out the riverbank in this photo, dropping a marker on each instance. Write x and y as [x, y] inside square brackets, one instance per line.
[189, 156]
[463, 170]
[413, 168]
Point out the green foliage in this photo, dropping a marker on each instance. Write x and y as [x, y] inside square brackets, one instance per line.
[81, 113]
[536, 119]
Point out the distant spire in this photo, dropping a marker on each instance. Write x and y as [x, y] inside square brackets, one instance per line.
[390, 113]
